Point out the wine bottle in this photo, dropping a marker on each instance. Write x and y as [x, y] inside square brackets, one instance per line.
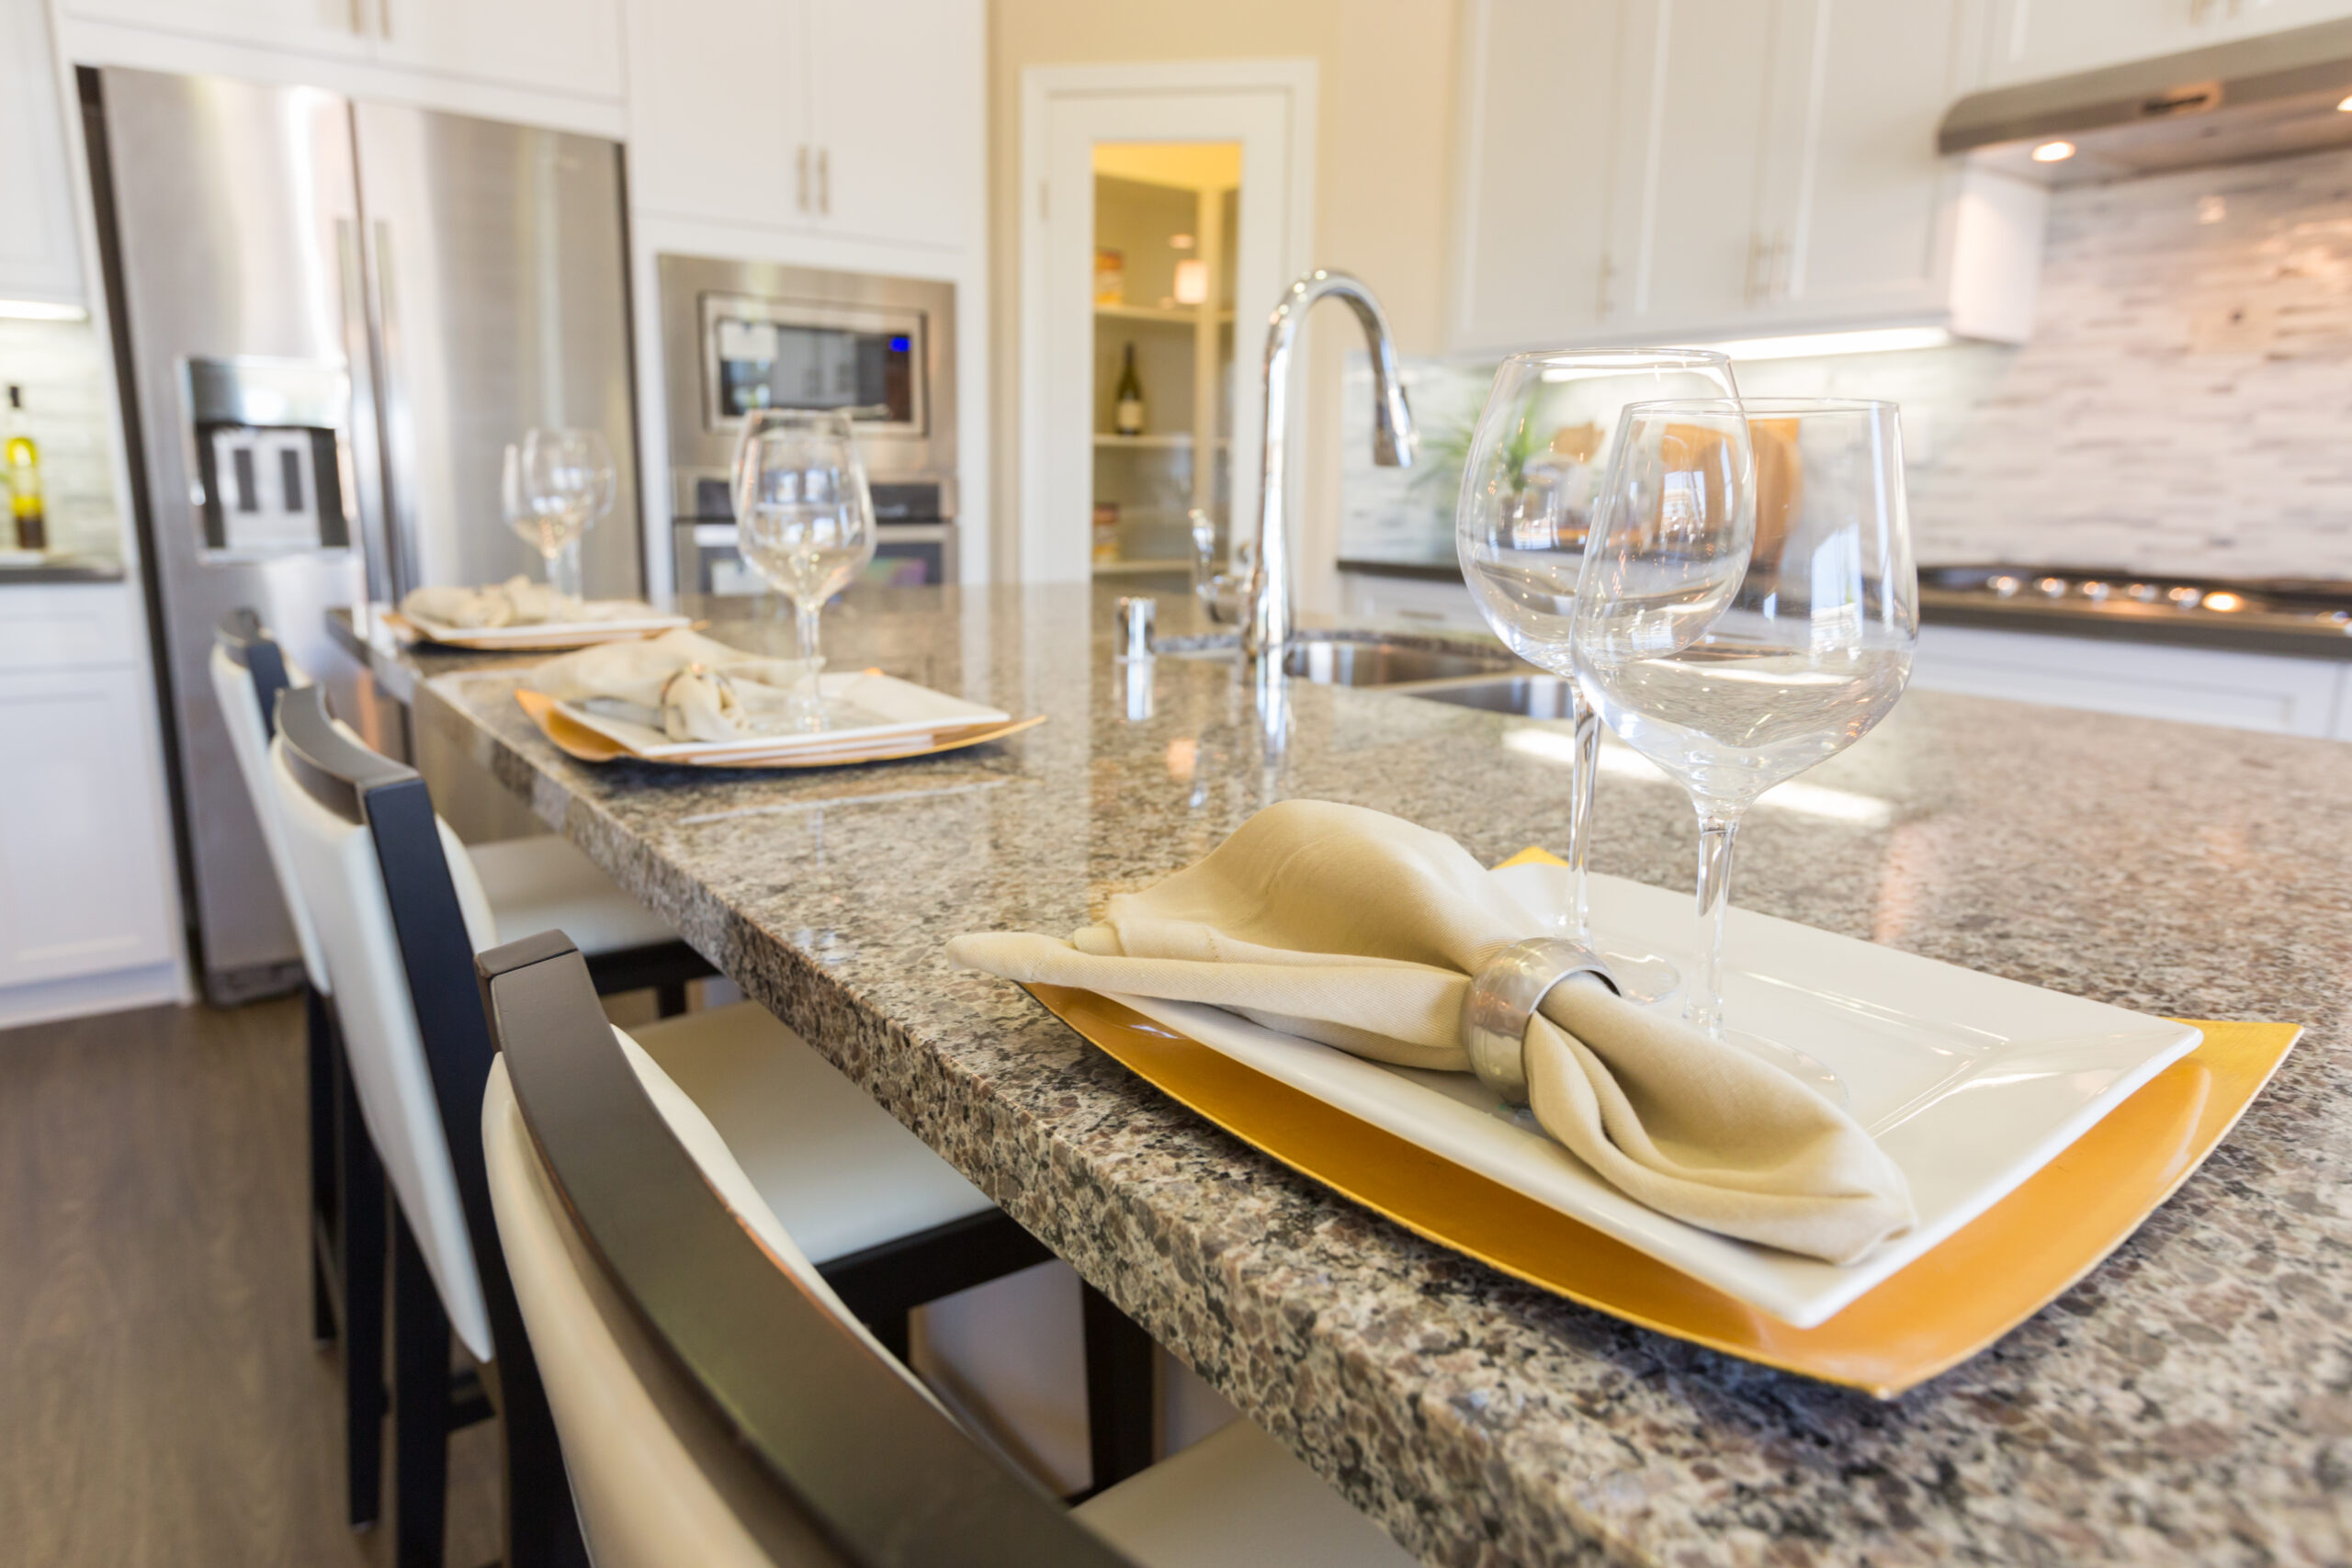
[24, 478]
[1129, 420]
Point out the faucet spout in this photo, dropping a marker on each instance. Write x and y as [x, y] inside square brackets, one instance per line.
[1395, 443]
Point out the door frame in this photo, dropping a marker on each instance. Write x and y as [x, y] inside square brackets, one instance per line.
[1268, 105]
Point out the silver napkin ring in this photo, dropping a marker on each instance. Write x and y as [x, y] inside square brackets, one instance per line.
[1504, 994]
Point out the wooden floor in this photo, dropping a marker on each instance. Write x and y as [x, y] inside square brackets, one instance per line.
[161, 1401]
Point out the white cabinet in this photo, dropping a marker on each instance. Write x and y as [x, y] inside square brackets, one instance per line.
[1532, 192]
[855, 117]
[88, 887]
[1736, 168]
[561, 46]
[2033, 39]
[2197, 685]
[38, 257]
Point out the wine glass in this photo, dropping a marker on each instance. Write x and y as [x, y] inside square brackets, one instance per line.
[1736, 643]
[803, 520]
[555, 485]
[1528, 485]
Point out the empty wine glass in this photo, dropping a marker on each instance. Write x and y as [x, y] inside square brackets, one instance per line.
[1736, 643]
[555, 485]
[1529, 485]
[804, 520]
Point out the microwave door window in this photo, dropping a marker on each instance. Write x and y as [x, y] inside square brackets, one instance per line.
[771, 364]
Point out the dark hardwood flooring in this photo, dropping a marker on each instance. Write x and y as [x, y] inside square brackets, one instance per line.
[161, 1401]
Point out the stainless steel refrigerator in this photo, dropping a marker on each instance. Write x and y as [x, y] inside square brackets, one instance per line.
[329, 318]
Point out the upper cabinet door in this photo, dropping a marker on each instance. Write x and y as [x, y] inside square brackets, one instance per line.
[308, 27]
[1684, 240]
[38, 257]
[899, 124]
[718, 111]
[1855, 194]
[1535, 148]
[2033, 39]
[557, 46]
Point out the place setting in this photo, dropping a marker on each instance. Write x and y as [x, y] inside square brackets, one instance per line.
[805, 520]
[1799, 1149]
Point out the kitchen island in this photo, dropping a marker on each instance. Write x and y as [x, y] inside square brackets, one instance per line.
[2190, 1401]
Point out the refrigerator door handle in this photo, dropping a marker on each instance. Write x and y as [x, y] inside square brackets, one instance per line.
[392, 416]
[359, 452]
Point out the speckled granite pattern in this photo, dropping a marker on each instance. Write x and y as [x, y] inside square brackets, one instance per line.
[2189, 1402]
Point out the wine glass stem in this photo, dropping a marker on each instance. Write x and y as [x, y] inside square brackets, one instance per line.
[806, 617]
[1703, 1005]
[564, 569]
[1588, 765]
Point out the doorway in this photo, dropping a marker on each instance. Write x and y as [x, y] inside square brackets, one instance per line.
[1169, 206]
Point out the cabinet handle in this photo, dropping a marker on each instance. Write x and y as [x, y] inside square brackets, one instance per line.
[1758, 267]
[359, 17]
[825, 180]
[1605, 304]
[803, 197]
[384, 18]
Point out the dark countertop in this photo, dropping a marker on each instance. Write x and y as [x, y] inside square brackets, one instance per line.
[2299, 637]
[63, 568]
[2186, 1403]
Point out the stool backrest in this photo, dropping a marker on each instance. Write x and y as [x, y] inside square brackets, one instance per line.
[248, 671]
[393, 896]
[717, 1401]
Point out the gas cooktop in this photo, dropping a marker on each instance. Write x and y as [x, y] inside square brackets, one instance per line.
[2299, 615]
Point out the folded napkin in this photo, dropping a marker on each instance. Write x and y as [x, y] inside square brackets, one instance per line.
[1360, 930]
[681, 683]
[517, 602]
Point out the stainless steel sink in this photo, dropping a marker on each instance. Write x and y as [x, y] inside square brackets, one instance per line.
[1330, 662]
[1529, 696]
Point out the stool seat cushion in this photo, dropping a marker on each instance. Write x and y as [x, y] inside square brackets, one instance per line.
[837, 1171]
[1237, 1496]
[547, 883]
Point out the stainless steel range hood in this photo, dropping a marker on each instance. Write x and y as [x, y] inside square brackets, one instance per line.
[2257, 97]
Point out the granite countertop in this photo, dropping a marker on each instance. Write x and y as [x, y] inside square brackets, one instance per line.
[2292, 636]
[2189, 1401]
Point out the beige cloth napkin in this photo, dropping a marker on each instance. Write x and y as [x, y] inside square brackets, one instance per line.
[681, 683]
[1360, 930]
[517, 602]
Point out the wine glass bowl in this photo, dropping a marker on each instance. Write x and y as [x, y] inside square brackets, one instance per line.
[554, 485]
[1530, 484]
[804, 520]
[1736, 640]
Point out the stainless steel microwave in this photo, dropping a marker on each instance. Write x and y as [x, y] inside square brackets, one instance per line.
[739, 335]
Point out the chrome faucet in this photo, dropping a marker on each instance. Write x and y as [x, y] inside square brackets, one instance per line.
[1394, 443]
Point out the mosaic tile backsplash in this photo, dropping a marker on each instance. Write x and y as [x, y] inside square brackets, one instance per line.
[61, 367]
[2185, 405]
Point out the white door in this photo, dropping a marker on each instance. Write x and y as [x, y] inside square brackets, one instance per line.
[558, 46]
[1691, 119]
[1266, 105]
[1538, 112]
[83, 867]
[718, 109]
[1855, 193]
[308, 27]
[898, 86]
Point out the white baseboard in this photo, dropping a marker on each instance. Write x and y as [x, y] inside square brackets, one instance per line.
[46, 1001]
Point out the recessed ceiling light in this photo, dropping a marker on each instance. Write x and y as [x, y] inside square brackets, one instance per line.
[2053, 151]
[2345, 108]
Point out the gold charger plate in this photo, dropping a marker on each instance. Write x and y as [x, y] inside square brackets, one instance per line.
[1990, 1276]
[565, 643]
[574, 738]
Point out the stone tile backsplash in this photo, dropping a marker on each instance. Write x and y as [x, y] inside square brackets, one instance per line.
[2185, 405]
[61, 367]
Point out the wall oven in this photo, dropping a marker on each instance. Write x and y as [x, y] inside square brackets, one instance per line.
[741, 335]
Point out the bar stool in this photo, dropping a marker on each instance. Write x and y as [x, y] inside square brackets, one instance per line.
[399, 915]
[716, 1402]
[531, 884]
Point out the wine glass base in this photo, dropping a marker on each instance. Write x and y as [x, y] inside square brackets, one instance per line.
[1805, 1069]
[1642, 977]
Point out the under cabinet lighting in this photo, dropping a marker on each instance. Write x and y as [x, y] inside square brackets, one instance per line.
[2345, 108]
[1878, 340]
[2053, 151]
[41, 311]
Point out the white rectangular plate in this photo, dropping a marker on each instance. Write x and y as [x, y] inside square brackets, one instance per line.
[1972, 1083]
[548, 631]
[899, 709]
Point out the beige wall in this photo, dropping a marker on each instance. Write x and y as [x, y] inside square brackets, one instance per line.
[1383, 152]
